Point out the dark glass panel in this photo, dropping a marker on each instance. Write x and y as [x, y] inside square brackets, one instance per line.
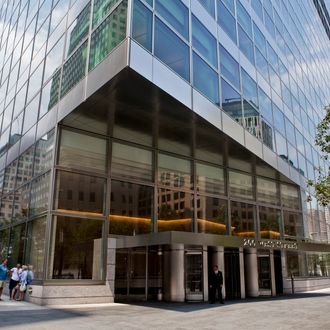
[175, 210]
[242, 219]
[131, 162]
[35, 246]
[78, 192]
[130, 208]
[269, 222]
[211, 215]
[77, 249]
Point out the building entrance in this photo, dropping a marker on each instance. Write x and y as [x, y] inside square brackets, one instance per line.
[264, 274]
[232, 274]
[278, 272]
[194, 275]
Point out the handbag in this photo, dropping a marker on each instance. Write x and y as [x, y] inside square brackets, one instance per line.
[22, 287]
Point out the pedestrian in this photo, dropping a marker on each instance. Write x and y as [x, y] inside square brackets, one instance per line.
[3, 274]
[216, 283]
[14, 280]
[23, 278]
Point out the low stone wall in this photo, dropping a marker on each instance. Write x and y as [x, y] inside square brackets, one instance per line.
[69, 294]
[302, 284]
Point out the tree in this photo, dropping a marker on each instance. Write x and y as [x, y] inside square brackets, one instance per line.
[322, 139]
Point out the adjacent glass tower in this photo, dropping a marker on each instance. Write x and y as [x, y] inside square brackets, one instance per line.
[143, 141]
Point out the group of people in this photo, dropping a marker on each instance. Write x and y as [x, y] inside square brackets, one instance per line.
[20, 277]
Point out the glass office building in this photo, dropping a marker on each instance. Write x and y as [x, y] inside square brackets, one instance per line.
[144, 141]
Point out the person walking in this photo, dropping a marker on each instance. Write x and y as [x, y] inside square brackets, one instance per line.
[216, 283]
[14, 280]
[3, 274]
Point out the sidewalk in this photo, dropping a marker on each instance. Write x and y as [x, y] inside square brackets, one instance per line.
[303, 311]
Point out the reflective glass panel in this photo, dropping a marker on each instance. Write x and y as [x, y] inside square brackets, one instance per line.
[173, 171]
[290, 196]
[175, 13]
[211, 215]
[35, 246]
[44, 153]
[246, 45]
[240, 185]
[204, 42]
[175, 210]
[231, 101]
[242, 219]
[130, 208]
[78, 192]
[205, 79]
[210, 179]
[40, 194]
[81, 240]
[249, 88]
[82, 151]
[269, 222]
[108, 35]
[267, 191]
[171, 50]
[227, 21]
[142, 25]
[131, 162]
[244, 18]
[293, 224]
[229, 67]
[21, 204]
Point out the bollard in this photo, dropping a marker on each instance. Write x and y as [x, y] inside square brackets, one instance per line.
[292, 283]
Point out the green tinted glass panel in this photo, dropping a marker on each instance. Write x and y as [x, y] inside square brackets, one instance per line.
[108, 35]
[79, 29]
[74, 69]
[101, 8]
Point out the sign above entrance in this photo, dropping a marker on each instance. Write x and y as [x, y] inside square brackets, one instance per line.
[270, 244]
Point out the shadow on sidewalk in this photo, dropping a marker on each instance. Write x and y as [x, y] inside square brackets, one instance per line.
[188, 307]
[29, 317]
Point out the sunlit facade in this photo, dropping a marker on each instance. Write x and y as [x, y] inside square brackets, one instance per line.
[143, 141]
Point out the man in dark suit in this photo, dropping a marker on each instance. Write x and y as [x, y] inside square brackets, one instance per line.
[216, 283]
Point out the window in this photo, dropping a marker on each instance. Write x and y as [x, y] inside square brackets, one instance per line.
[82, 151]
[176, 14]
[131, 162]
[205, 79]
[242, 219]
[227, 21]
[130, 216]
[209, 6]
[204, 42]
[249, 88]
[74, 235]
[212, 215]
[142, 25]
[244, 18]
[173, 171]
[265, 105]
[259, 39]
[269, 223]
[229, 67]
[290, 196]
[278, 119]
[171, 50]
[245, 45]
[231, 101]
[108, 35]
[262, 65]
[281, 147]
[267, 191]
[210, 179]
[240, 185]
[170, 218]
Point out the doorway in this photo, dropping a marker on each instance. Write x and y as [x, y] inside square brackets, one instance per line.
[194, 275]
[232, 274]
[278, 272]
[264, 274]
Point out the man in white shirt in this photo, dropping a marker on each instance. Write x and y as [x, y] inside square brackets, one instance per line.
[14, 280]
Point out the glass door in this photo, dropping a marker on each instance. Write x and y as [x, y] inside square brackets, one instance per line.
[264, 275]
[194, 275]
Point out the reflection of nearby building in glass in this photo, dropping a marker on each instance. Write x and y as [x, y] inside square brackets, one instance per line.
[143, 141]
